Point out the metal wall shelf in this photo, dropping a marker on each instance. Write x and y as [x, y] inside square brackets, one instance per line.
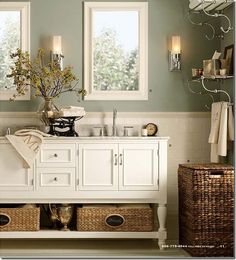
[209, 5]
[207, 91]
[210, 9]
[212, 77]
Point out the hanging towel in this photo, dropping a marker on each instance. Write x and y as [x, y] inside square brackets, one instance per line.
[230, 123]
[27, 143]
[215, 127]
[215, 122]
[222, 129]
[222, 139]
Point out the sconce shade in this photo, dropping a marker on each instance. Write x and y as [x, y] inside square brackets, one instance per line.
[56, 48]
[56, 53]
[175, 44]
[175, 54]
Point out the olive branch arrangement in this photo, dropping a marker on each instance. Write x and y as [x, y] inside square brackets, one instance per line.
[48, 81]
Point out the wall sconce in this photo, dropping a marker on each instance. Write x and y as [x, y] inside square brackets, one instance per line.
[174, 54]
[56, 53]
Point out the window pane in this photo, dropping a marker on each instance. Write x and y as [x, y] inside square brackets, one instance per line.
[9, 42]
[116, 50]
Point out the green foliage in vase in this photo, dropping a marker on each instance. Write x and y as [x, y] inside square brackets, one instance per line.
[48, 81]
[114, 69]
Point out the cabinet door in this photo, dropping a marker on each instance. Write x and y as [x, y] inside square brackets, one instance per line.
[12, 174]
[138, 167]
[98, 167]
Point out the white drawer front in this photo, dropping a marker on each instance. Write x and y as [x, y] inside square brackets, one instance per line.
[56, 178]
[51, 155]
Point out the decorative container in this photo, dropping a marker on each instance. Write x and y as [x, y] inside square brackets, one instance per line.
[206, 209]
[115, 219]
[19, 219]
[47, 111]
[211, 67]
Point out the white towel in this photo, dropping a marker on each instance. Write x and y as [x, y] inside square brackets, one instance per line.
[222, 139]
[72, 107]
[222, 128]
[27, 143]
[215, 127]
[230, 124]
[71, 111]
[215, 122]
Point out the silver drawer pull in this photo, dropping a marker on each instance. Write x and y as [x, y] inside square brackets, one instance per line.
[116, 160]
[55, 155]
[121, 161]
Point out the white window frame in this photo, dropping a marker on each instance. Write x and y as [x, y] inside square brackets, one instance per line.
[24, 8]
[142, 8]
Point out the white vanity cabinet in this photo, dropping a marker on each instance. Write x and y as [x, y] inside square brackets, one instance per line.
[13, 177]
[93, 170]
[55, 169]
[98, 166]
[118, 166]
[138, 166]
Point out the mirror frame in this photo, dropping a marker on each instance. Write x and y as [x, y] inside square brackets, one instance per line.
[24, 8]
[142, 9]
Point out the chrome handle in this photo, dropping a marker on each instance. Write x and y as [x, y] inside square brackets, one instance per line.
[116, 160]
[55, 155]
[121, 160]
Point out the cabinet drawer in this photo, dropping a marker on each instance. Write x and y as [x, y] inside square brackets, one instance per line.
[59, 155]
[56, 178]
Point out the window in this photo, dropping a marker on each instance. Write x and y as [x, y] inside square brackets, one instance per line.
[115, 50]
[14, 33]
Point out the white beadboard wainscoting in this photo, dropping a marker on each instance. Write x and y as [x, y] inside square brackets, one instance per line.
[188, 132]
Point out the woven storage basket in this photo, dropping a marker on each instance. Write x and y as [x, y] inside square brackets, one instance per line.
[206, 209]
[19, 219]
[115, 219]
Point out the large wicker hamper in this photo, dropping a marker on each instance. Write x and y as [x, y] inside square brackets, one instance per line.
[115, 219]
[206, 209]
[19, 219]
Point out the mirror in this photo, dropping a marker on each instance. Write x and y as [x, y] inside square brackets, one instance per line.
[115, 50]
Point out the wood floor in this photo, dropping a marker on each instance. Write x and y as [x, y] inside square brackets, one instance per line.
[87, 249]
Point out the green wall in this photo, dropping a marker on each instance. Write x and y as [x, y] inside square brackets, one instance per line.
[228, 85]
[168, 90]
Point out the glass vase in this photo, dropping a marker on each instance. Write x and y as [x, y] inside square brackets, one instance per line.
[48, 111]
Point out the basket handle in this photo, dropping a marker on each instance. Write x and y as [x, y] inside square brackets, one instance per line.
[114, 220]
[216, 174]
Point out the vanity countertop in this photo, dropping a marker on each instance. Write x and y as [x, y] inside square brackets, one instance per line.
[100, 138]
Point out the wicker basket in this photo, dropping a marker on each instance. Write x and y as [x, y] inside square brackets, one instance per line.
[19, 219]
[206, 213]
[115, 219]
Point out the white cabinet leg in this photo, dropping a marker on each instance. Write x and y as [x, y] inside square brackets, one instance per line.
[161, 214]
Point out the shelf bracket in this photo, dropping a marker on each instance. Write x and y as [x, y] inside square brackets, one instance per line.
[219, 15]
[212, 9]
[211, 37]
[200, 93]
[215, 90]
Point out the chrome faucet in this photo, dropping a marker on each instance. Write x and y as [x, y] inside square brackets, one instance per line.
[114, 122]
